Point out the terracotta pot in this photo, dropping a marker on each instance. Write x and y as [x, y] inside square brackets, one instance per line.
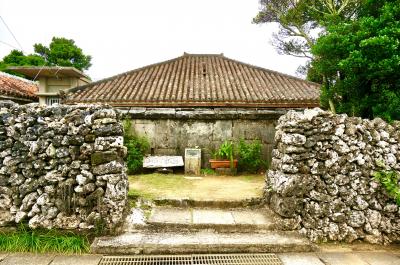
[215, 163]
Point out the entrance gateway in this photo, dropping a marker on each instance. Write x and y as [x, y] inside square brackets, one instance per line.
[198, 259]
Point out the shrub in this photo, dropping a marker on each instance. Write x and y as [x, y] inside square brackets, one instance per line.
[225, 151]
[390, 180]
[250, 156]
[137, 147]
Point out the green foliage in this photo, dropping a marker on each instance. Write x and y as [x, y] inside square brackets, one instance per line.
[61, 52]
[250, 156]
[41, 241]
[300, 21]
[137, 147]
[359, 59]
[17, 58]
[225, 150]
[207, 171]
[390, 180]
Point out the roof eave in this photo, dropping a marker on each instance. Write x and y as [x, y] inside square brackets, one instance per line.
[310, 104]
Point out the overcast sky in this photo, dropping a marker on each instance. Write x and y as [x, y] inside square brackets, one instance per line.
[124, 35]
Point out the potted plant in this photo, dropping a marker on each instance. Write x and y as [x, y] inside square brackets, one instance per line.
[223, 157]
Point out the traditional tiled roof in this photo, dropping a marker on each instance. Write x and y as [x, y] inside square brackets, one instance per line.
[17, 87]
[199, 81]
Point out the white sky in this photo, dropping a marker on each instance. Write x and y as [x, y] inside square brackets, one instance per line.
[124, 35]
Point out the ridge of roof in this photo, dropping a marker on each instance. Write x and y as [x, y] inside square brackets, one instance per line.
[185, 54]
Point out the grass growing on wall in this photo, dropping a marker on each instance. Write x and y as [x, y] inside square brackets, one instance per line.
[25, 239]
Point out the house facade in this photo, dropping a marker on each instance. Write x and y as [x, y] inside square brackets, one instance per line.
[52, 80]
[201, 100]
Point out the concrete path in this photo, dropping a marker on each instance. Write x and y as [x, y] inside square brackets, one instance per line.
[320, 258]
[341, 258]
[48, 259]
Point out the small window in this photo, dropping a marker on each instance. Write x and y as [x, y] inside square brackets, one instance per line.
[52, 100]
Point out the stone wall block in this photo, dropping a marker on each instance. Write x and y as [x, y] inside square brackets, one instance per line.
[325, 163]
[56, 164]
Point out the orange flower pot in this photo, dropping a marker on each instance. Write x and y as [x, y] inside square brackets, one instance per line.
[215, 163]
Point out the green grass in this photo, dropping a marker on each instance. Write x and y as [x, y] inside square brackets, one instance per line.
[40, 241]
[209, 187]
[207, 171]
[157, 182]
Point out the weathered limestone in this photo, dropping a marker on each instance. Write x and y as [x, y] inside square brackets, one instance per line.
[322, 176]
[61, 166]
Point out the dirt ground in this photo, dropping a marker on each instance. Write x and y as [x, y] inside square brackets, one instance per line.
[174, 186]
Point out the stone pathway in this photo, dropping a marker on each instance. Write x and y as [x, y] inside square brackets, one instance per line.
[202, 230]
[200, 242]
[319, 258]
[195, 219]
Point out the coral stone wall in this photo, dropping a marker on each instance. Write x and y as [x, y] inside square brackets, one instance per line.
[61, 166]
[321, 178]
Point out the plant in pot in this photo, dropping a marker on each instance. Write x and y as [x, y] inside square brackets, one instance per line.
[223, 157]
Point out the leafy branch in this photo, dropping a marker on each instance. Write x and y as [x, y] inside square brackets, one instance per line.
[390, 180]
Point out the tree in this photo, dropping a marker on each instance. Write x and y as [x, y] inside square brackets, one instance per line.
[61, 52]
[360, 59]
[17, 58]
[300, 21]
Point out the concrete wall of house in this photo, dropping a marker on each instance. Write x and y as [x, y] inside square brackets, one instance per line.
[51, 86]
[171, 131]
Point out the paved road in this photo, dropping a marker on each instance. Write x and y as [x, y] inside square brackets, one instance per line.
[321, 258]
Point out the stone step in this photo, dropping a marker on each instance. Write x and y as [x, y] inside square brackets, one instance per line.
[201, 242]
[221, 204]
[164, 219]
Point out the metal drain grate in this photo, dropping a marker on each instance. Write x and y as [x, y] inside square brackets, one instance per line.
[199, 259]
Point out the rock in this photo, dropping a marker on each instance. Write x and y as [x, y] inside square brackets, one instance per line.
[109, 168]
[356, 219]
[391, 208]
[81, 180]
[374, 218]
[293, 139]
[285, 206]
[51, 151]
[98, 158]
[20, 216]
[360, 203]
[54, 176]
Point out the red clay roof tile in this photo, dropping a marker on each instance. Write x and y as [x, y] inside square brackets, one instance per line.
[17, 87]
[199, 81]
